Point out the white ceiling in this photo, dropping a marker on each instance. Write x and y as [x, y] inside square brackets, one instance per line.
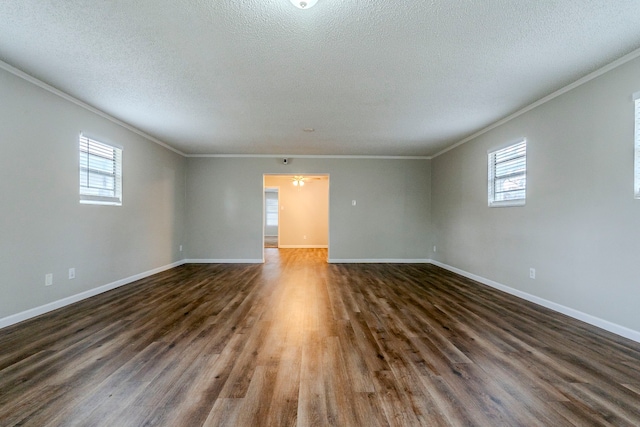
[371, 77]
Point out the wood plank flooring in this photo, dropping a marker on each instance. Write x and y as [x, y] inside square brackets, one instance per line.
[297, 341]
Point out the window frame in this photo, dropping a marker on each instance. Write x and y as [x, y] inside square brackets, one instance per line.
[636, 146]
[274, 213]
[90, 195]
[491, 171]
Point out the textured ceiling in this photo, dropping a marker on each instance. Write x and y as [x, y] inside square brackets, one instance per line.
[371, 77]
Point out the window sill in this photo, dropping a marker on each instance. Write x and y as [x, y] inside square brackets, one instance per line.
[507, 204]
[98, 202]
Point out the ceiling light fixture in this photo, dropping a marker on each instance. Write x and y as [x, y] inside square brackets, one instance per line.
[298, 181]
[304, 4]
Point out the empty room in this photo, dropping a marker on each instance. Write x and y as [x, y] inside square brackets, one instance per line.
[321, 212]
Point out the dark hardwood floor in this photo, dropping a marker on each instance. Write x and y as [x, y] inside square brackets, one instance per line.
[300, 342]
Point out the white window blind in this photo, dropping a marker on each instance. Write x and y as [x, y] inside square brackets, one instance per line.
[100, 172]
[508, 175]
[636, 169]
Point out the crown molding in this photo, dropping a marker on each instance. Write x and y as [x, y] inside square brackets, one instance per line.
[613, 65]
[311, 156]
[591, 76]
[21, 74]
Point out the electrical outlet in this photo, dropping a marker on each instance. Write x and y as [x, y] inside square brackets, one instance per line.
[532, 273]
[72, 273]
[180, 248]
[353, 203]
[434, 248]
[48, 279]
[304, 237]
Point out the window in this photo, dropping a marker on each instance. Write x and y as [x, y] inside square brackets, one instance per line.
[636, 168]
[100, 173]
[508, 175]
[272, 212]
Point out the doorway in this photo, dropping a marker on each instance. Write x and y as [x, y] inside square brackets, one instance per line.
[301, 204]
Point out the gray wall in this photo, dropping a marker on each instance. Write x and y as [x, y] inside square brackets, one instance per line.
[579, 227]
[391, 219]
[45, 229]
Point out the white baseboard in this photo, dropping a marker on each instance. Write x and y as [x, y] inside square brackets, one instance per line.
[303, 247]
[587, 318]
[224, 261]
[378, 261]
[37, 311]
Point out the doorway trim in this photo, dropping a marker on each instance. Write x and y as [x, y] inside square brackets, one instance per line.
[264, 187]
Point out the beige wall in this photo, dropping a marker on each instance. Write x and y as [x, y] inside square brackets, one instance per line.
[304, 211]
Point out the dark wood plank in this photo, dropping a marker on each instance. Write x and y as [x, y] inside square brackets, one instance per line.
[297, 341]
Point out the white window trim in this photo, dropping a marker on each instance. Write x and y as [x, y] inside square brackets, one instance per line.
[89, 199]
[636, 143]
[490, 181]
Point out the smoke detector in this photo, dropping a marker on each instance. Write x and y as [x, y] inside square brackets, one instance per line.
[304, 4]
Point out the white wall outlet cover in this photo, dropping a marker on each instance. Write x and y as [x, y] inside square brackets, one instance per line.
[72, 273]
[353, 203]
[48, 279]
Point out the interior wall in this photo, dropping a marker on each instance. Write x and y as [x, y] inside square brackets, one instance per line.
[391, 219]
[304, 211]
[43, 226]
[579, 228]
